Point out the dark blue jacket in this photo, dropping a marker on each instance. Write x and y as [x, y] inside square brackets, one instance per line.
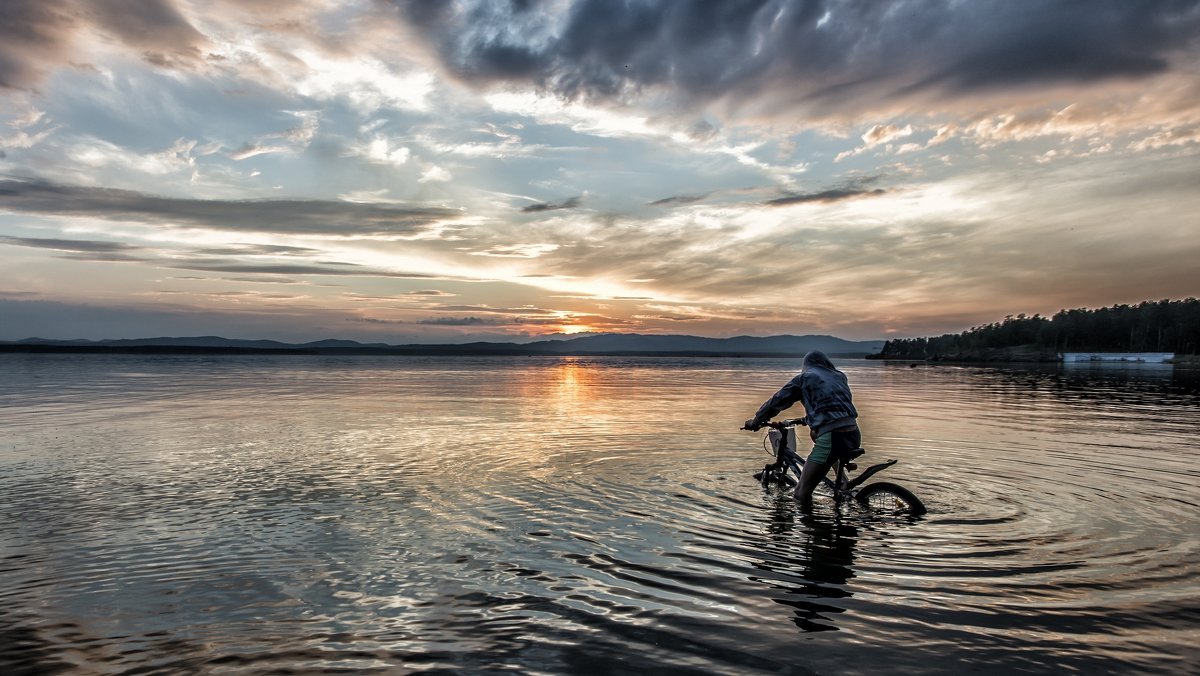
[824, 392]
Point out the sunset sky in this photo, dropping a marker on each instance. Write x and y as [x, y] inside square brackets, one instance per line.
[451, 171]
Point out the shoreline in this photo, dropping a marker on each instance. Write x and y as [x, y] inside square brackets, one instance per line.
[1189, 361]
[997, 356]
[424, 351]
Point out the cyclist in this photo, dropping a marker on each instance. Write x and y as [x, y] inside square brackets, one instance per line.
[830, 415]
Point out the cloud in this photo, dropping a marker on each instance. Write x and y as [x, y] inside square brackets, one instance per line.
[381, 151]
[677, 200]
[677, 126]
[435, 174]
[407, 296]
[258, 250]
[1176, 136]
[569, 203]
[153, 27]
[38, 35]
[461, 321]
[818, 56]
[287, 141]
[253, 280]
[253, 150]
[80, 245]
[517, 250]
[100, 319]
[825, 196]
[884, 133]
[84, 250]
[496, 310]
[291, 269]
[25, 135]
[216, 259]
[365, 82]
[299, 217]
[510, 144]
[429, 293]
[33, 33]
[668, 318]
[880, 134]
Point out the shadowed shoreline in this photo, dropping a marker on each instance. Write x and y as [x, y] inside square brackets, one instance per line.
[609, 345]
[421, 351]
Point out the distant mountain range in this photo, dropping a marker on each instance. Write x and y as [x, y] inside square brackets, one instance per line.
[594, 344]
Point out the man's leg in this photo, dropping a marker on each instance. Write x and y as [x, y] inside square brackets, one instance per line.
[810, 476]
[816, 466]
[826, 448]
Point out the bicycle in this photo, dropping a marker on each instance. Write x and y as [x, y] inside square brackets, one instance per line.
[879, 496]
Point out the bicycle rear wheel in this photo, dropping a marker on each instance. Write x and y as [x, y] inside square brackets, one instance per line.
[889, 498]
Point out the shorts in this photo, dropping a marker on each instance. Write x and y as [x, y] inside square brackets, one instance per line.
[834, 443]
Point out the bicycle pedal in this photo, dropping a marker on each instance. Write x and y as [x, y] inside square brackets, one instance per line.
[851, 466]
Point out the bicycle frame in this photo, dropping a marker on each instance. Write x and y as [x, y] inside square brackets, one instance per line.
[787, 458]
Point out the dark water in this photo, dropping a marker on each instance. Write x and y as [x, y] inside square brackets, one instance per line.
[295, 515]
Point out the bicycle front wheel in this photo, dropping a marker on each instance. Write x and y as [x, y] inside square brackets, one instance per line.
[889, 498]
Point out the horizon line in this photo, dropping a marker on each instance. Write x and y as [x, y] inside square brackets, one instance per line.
[562, 337]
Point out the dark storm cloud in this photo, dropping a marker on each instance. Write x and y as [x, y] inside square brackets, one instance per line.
[153, 27]
[83, 249]
[33, 33]
[825, 196]
[817, 53]
[677, 200]
[460, 321]
[428, 293]
[36, 35]
[74, 245]
[258, 250]
[210, 260]
[569, 203]
[297, 217]
[286, 269]
[258, 280]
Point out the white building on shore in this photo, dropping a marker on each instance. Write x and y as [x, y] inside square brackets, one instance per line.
[1134, 357]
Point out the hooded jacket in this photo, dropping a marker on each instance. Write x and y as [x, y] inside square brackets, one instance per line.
[824, 392]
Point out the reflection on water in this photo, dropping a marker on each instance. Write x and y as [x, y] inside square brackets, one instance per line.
[215, 514]
[811, 563]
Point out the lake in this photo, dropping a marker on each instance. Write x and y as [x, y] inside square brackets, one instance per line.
[291, 514]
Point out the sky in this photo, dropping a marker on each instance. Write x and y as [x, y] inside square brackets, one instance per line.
[448, 171]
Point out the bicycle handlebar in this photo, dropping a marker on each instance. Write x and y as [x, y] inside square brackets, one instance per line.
[779, 424]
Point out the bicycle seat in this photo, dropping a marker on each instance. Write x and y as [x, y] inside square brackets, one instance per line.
[847, 458]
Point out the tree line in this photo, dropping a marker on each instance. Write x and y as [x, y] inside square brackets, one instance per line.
[1149, 326]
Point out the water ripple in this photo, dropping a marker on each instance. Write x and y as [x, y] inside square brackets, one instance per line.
[245, 514]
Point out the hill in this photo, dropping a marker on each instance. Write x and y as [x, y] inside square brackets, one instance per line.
[594, 344]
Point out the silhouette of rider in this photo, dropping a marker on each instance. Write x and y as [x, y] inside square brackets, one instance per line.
[829, 413]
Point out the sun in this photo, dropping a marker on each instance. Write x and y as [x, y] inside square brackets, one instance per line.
[576, 328]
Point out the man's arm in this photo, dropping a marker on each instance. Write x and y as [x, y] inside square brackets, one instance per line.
[785, 397]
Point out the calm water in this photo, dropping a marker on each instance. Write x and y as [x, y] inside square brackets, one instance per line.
[401, 515]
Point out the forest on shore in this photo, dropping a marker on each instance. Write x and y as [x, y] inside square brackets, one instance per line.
[1149, 326]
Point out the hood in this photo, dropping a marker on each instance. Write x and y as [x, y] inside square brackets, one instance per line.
[818, 358]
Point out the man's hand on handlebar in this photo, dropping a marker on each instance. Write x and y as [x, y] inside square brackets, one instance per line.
[754, 425]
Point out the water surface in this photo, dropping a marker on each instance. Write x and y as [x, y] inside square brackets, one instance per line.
[403, 515]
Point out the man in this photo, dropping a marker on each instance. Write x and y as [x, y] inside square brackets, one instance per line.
[830, 414]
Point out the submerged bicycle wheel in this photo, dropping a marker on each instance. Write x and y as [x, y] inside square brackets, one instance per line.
[887, 497]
